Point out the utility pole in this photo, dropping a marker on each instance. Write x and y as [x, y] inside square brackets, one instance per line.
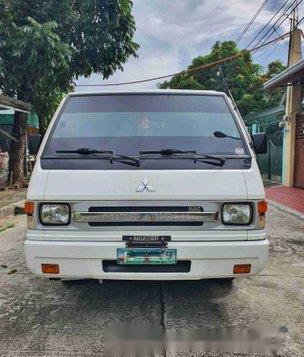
[293, 104]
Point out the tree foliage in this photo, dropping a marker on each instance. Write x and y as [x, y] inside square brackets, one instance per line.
[33, 60]
[45, 44]
[241, 76]
[273, 98]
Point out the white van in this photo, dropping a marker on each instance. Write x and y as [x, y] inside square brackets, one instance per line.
[153, 185]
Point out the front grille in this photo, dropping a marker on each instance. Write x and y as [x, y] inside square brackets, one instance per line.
[111, 266]
[146, 216]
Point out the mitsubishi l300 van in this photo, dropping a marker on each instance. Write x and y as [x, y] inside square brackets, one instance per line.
[154, 185]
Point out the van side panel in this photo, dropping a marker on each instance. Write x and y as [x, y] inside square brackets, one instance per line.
[254, 184]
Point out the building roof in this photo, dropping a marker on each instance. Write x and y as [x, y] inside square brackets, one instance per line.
[12, 103]
[290, 75]
[264, 115]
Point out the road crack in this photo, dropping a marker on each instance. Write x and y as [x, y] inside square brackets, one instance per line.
[162, 315]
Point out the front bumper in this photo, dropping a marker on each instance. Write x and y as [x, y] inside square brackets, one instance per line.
[84, 259]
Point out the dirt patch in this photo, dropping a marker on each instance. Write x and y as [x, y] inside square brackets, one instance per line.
[9, 196]
[285, 233]
[299, 241]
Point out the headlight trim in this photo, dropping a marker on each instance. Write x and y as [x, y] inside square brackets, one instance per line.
[249, 204]
[54, 224]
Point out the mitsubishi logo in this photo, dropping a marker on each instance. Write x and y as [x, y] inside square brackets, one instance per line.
[145, 186]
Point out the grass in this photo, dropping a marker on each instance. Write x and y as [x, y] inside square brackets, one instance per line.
[7, 226]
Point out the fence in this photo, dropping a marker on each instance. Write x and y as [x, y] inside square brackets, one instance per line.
[267, 121]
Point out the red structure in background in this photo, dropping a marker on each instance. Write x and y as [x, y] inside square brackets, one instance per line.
[287, 196]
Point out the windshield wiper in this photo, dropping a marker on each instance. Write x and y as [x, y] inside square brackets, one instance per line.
[166, 152]
[220, 161]
[83, 151]
[128, 160]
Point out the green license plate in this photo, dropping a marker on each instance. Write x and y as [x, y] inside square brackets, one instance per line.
[140, 256]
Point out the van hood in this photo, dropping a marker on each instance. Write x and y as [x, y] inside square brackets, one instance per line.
[74, 185]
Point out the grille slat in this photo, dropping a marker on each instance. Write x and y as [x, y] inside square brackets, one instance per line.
[147, 209]
[145, 216]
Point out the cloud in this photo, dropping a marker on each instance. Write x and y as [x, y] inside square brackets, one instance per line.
[171, 33]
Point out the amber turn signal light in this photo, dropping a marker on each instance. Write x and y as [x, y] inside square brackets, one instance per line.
[29, 207]
[262, 207]
[242, 269]
[50, 268]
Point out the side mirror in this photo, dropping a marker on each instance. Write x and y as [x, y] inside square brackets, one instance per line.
[259, 143]
[34, 142]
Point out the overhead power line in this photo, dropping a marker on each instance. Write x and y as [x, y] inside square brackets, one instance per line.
[300, 20]
[267, 50]
[279, 22]
[190, 70]
[267, 55]
[241, 35]
[273, 17]
[276, 30]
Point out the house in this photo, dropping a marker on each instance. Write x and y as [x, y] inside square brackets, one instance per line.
[292, 124]
[8, 106]
[6, 126]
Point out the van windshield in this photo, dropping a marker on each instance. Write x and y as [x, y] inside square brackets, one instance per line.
[129, 123]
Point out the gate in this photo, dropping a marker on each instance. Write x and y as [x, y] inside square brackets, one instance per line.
[299, 153]
[270, 164]
[267, 121]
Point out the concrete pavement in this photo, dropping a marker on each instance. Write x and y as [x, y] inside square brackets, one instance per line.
[43, 318]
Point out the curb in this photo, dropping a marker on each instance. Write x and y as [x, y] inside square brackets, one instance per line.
[283, 208]
[9, 210]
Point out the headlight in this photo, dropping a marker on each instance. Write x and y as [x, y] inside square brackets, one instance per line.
[53, 214]
[237, 213]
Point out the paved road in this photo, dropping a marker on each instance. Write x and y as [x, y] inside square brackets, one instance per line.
[42, 318]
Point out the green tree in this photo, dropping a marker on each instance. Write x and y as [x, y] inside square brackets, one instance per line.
[273, 68]
[46, 44]
[34, 59]
[241, 76]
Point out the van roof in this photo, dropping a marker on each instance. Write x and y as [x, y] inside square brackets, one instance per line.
[151, 91]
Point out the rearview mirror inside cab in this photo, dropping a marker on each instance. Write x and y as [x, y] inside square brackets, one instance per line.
[259, 143]
[34, 142]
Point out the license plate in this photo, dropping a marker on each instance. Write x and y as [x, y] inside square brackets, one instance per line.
[146, 239]
[149, 256]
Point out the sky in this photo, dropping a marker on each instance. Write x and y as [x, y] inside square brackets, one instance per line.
[172, 32]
